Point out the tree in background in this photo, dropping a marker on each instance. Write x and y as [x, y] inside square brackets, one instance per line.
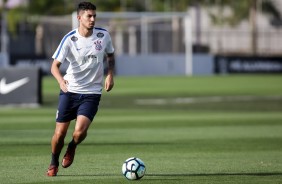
[243, 10]
[18, 17]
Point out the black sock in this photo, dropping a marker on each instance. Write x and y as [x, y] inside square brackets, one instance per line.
[72, 144]
[55, 159]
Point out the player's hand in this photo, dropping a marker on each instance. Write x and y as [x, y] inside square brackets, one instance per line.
[64, 85]
[109, 83]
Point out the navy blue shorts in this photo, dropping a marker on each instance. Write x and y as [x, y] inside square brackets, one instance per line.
[73, 104]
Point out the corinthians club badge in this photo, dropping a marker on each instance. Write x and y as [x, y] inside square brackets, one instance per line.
[98, 45]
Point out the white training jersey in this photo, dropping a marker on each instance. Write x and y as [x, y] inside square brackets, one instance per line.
[85, 55]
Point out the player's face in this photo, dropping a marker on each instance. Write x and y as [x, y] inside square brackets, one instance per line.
[87, 19]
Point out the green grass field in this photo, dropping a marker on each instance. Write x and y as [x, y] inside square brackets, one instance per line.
[220, 129]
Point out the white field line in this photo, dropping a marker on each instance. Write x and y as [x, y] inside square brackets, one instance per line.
[211, 99]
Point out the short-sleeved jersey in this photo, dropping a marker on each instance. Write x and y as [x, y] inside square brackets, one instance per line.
[85, 56]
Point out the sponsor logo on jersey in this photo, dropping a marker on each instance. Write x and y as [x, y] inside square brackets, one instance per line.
[100, 35]
[98, 45]
[91, 57]
[74, 38]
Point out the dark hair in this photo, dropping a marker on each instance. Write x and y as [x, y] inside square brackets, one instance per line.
[85, 6]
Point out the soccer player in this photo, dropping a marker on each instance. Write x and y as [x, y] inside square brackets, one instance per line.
[84, 49]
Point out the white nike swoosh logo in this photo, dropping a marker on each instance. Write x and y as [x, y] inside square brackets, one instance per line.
[7, 88]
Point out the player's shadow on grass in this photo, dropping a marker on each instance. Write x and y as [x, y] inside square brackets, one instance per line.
[188, 175]
[219, 174]
[85, 175]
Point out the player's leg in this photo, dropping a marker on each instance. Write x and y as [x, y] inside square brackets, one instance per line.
[57, 144]
[58, 138]
[65, 113]
[86, 112]
[81, 127]
[79, 134]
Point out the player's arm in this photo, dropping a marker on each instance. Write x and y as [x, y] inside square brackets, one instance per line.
[109, 81]
[55, 70]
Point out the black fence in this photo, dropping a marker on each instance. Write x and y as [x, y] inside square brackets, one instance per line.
[247, 64]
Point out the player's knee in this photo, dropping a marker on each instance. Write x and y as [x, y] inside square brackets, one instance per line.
[79, 135]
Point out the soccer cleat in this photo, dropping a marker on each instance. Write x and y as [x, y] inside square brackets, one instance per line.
[68, 157]
[52, 170]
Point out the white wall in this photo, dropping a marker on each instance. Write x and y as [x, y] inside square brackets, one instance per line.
[163, 64]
